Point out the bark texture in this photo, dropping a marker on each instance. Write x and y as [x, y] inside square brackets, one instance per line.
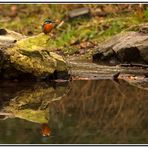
[125, 47]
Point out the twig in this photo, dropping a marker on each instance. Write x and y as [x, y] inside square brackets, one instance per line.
[5, 114]
[60, 24]
[131, 28]
[6, 117]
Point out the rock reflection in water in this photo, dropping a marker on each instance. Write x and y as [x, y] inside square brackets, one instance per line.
[100, 111]
[31, 103]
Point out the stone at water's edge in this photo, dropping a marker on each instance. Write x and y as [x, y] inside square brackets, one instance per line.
[31, 56]
[123, 48]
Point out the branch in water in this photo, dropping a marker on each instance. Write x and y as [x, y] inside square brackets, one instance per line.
[115, 76]
[6, 114]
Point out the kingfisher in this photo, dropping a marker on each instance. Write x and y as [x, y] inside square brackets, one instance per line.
[46, 131]
[48, 25]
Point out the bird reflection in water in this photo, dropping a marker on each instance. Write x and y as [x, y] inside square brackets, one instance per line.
[46, 131]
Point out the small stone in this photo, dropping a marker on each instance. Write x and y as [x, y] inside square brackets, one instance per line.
[79, 12]
[3, 31]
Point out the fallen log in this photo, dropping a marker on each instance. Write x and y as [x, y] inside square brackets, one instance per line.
[126, 47]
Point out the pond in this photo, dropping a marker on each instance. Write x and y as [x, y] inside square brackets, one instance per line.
[77, 112]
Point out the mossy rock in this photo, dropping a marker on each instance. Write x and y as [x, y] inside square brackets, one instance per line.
[32, 55]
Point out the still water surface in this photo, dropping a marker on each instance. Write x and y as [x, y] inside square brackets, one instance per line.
[82, 112]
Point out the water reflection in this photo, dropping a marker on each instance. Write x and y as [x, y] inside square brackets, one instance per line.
[46, 130]
[31, 103]
[100, 111]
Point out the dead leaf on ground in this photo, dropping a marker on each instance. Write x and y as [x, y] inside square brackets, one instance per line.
[13, 11]
[110, 9]
[85, 45]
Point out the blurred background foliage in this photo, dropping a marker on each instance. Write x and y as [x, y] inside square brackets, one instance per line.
[77, 35]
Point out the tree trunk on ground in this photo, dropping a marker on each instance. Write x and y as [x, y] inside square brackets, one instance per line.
[127, 47]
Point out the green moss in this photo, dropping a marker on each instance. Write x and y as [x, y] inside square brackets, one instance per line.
[34, 43]
[38, 116]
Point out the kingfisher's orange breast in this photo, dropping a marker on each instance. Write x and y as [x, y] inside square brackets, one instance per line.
[47, 28]
[46, 131]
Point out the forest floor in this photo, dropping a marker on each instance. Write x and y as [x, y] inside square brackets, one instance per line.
[78, 35]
